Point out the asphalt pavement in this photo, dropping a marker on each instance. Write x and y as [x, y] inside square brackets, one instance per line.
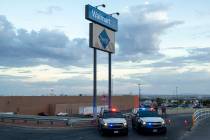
[176, 130]
[200, 131]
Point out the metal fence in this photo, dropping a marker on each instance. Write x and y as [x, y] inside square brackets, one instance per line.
[51, 120]
[200, 114]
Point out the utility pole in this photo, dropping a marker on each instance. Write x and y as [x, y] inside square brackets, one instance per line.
[177, 95]
[177, 99]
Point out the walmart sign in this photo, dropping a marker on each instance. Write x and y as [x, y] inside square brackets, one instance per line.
[97, 16]
[101, 38]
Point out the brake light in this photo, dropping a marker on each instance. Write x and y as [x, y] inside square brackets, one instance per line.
[114, 109]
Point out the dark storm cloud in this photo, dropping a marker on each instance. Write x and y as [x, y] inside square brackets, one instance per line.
[141, 38]
[139, 35]
[23, 48]
[138, 39]
[50, 10]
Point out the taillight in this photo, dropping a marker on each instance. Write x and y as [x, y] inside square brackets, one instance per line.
[114, 109]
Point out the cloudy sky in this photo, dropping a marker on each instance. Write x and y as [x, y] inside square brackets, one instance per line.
[162, 44]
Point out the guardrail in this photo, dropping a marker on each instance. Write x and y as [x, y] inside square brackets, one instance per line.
[68, 121]
[200, 114]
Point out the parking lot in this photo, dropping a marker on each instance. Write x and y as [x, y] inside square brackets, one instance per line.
[175, 131]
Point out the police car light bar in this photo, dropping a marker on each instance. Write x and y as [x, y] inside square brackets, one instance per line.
[143, 109]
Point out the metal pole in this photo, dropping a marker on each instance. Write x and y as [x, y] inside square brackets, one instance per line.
[177, 99]
[139, 94]
[110, 80]
[94, 83]
[177, 95]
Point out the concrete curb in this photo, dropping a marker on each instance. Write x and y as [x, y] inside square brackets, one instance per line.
[189, 134]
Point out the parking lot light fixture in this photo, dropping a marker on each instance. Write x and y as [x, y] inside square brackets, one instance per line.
[116, 13]
[101, 5]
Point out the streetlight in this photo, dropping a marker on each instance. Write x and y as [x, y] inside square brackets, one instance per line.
[177, 102]
[177, 95]
[116, 13]
[101, 5]
[139, 93]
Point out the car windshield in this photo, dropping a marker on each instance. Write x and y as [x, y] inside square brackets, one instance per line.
[148, 114]
[113, 115]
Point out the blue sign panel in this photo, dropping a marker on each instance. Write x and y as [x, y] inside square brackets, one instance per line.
[95, 15]
[104, 39]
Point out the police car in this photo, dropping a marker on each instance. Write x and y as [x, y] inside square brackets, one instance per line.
[113, 122]
[148, 120]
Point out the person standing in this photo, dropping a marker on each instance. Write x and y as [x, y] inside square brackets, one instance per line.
[155, 106]
[163, 110]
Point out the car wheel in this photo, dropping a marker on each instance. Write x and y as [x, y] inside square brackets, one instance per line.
[140, 132]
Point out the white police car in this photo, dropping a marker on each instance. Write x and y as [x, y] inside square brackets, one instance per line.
[148, 121]
[113, 122]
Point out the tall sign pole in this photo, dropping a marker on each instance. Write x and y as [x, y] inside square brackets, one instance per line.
[139, 94]
[101, 37]
[110, 80]
[94, 82]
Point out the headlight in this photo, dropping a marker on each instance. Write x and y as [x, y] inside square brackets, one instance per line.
[105, 124]
[125, 124]
[144, 123]
[163, 122]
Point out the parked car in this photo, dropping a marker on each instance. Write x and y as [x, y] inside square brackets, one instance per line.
[62, 114]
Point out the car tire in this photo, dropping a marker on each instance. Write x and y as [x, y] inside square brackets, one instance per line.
[140, 132]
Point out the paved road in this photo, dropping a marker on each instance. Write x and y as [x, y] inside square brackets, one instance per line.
[175, 131]
[200, 131]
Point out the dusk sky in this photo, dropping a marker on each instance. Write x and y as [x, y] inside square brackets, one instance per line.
[162, 44]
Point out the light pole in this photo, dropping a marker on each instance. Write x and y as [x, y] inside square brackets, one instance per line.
[139, 93]
[177, 95]
[177, 103]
